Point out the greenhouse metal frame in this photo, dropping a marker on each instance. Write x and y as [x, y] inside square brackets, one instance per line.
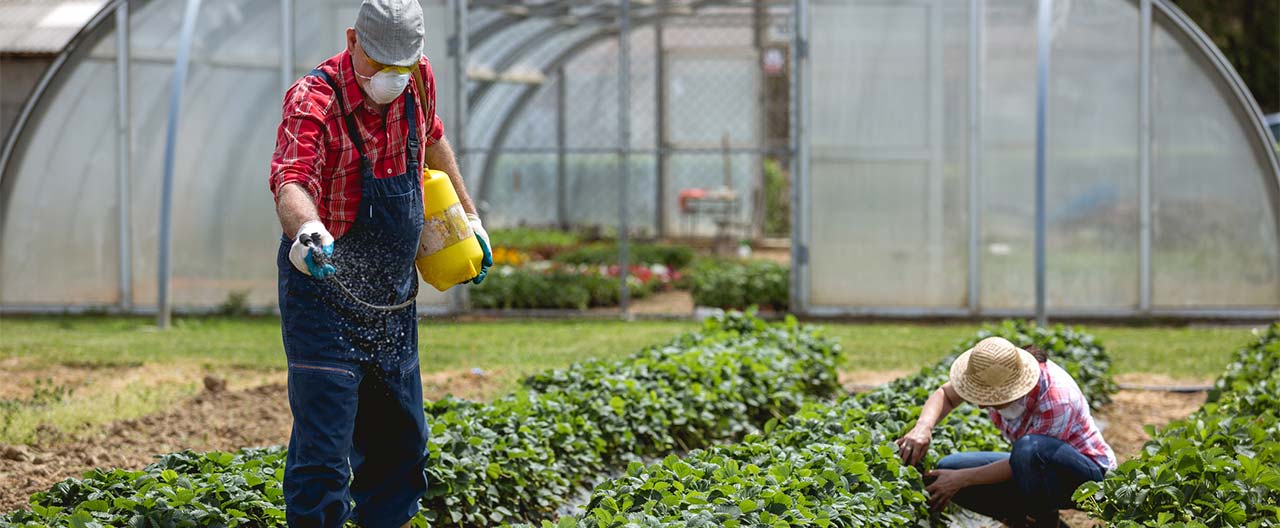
[514, 68]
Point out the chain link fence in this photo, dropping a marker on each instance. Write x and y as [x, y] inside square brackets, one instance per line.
[706, 108]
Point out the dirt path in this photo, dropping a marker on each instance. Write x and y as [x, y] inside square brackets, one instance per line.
[671, 302]
[865, 380]
[216, 419]
[220, 419]
[228, 420]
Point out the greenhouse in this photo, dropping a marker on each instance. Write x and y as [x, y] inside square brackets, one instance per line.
[907, 131]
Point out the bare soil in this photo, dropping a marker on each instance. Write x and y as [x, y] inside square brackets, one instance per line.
[865, 380]
[223, 420]
[216, 419]
[1125, 433]
[672, 302]
[22, 376]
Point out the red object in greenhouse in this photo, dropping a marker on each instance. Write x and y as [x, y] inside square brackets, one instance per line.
[687, 195]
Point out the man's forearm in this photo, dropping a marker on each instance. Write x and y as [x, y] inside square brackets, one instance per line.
[294, 207]
[439, 156]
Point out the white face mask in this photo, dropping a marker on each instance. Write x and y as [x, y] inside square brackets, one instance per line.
[385, 86]
[1014, 410]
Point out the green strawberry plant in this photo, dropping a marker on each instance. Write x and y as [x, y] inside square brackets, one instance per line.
[831, 463]
[738, 284]
[1217, 467]
[517, 459]
[180, 489]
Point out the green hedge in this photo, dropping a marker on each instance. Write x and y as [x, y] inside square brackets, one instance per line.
[512, 287]
[830, 464]
[738, 284]
[606, 253]
[777, 200]
[1217, 467]
[522, 456]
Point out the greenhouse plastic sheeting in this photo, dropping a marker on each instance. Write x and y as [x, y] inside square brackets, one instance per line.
[59, 240]
[889, 179]
[900, 163]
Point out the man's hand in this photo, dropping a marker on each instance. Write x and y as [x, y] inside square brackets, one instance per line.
[913, 446]
[300, 252]
[482, 236]
[946, 483]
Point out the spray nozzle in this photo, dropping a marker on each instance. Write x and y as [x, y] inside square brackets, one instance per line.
[317, 249]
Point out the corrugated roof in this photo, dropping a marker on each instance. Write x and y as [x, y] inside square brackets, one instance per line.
[43, 26]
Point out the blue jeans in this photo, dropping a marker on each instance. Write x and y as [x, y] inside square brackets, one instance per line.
[1046, 471]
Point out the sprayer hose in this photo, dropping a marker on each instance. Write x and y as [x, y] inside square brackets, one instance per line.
[413, 295]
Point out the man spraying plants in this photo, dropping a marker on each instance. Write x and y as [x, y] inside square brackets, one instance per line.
[347, 175]
[1039, 408]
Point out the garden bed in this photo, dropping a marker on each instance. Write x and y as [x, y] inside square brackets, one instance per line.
[830, 464]
[133, 441]
[533, 449]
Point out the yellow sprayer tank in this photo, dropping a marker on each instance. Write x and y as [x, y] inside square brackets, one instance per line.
[448, 252]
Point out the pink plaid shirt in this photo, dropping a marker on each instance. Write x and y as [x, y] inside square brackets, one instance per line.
[312, 147]
[1056, 408]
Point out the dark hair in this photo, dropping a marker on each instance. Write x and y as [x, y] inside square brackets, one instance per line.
[1037, 353]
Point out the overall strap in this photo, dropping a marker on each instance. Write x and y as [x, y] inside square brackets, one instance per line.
[365, 166]
[411, 122]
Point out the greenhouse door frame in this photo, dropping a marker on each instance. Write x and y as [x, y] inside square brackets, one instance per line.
[930, 156]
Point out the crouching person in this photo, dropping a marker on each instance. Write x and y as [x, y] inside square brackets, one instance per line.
[1038, 407]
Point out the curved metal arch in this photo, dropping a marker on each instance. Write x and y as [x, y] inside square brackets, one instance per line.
[1243, 96]
[494, 27]
[517, 109]
[513, 37]
[80, 44]
[508, 60]
[520, 50]
[489, 110]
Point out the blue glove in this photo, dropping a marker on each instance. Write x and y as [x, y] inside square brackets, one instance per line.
[312, 235]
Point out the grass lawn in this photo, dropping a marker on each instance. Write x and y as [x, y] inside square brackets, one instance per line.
[75, 372]
[523, 346]
[1198, 352]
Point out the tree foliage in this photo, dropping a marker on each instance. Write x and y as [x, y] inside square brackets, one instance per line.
[1248, 33]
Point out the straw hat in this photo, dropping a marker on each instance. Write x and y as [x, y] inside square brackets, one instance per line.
[994, 372]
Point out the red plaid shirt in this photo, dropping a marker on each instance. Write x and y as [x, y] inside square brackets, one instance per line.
[313, 149]
[1057, 408]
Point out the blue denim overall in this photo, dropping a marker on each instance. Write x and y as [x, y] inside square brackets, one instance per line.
[354, 386]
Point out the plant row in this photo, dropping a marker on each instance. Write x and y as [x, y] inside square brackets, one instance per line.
[606, 253]
[570, 248]
[524, 455]
[738, 284]
[517, 459]
[1218, 467]
[533, 287]
[543, 243]
[829, 464]
[180, 489]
